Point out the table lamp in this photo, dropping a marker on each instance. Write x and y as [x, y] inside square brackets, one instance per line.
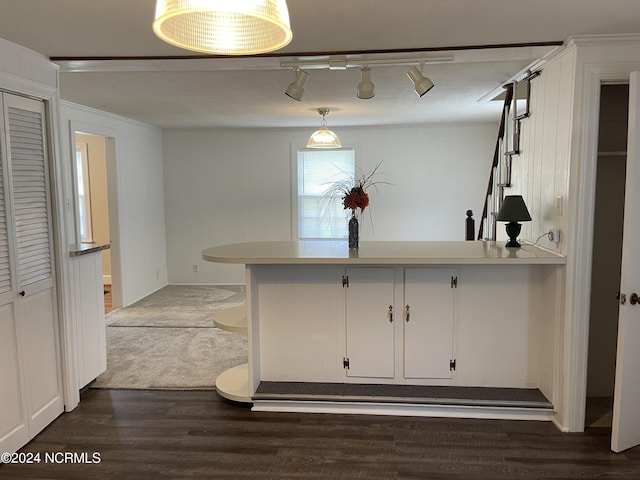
[513, 210]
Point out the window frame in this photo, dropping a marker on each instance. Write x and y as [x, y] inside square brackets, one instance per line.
[83, 199]
[295, 213]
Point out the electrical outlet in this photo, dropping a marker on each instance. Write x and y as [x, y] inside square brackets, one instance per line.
[554, 235]
[195, 267]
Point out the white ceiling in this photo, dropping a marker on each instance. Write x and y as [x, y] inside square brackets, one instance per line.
[248, 92]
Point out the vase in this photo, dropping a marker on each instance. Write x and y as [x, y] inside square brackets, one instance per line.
[353, 232]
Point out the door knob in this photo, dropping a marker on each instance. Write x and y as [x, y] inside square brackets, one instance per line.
[634, 298]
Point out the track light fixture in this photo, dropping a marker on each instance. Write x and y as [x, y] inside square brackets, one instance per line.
[296, 88]
[421, 84]
[324, 138]
[366, 89]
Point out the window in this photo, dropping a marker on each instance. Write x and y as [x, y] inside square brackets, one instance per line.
[317, 171]
[84, 196]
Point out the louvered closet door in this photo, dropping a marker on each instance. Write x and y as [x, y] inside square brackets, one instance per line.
[36, 303]
[14, 428]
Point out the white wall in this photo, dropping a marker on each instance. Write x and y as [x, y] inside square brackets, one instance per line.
[541, 171]
[227, 186]
[139, 241]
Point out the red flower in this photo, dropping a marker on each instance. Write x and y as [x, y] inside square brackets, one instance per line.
[356, 198]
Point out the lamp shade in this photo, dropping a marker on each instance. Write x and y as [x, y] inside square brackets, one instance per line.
[513, 210]
[324, 138]
[225, 27]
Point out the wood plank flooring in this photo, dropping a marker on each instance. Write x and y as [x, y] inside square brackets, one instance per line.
[179, 434]
[108, 299]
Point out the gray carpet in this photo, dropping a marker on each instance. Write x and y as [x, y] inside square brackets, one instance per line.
[168, 340]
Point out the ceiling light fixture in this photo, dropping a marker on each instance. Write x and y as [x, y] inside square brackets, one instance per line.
[421, 84]
[226, 27]
[324, 138]
[366, 89]
[296, 88]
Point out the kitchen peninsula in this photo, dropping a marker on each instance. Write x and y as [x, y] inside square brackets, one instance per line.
[467, 329]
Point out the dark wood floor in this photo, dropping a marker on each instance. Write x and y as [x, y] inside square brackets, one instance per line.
[172, 435]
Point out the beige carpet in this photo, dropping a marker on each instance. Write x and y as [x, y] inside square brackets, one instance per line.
[168, 340]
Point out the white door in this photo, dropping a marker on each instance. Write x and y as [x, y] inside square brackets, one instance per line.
[370, 319]
[14, 427]
[428, 322]
[626, 404]
[32, 302]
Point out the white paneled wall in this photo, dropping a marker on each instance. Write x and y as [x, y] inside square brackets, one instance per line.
[227, 186]
[541, 171]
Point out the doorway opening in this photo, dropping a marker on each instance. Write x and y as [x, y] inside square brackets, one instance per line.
[607, 253]
[96, 219]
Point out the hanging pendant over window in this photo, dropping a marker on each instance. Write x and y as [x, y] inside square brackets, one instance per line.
[324, 138]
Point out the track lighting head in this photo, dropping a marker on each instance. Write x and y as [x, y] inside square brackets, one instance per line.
[421, 84]
[366, 89]
[296, 88]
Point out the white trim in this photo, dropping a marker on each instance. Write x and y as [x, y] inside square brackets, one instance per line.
[404, 409]
[583, 168]
[114, 193]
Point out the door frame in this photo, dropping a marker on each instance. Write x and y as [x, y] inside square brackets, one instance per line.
[115, 231]
[583, 164]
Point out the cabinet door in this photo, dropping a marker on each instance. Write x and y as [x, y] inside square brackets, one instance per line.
[92, 348]
[369, 321]
[428, 328]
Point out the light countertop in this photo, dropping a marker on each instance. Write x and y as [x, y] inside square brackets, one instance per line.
[415, 253]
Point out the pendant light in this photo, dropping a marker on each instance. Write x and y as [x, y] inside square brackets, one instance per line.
[323, 138]
[225, 27]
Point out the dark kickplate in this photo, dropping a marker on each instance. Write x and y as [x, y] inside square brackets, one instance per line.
[415, 394]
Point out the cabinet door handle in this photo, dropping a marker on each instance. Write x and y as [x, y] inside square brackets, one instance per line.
[22, 293]
[390, 314]
[406, 310]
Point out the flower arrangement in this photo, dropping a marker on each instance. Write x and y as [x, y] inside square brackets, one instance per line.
[354, 196]
[354, 192]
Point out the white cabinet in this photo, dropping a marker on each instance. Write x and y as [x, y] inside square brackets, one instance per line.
[422, 314]
[370, 328]
[30, 380]
[428, 316]
[92, 348]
